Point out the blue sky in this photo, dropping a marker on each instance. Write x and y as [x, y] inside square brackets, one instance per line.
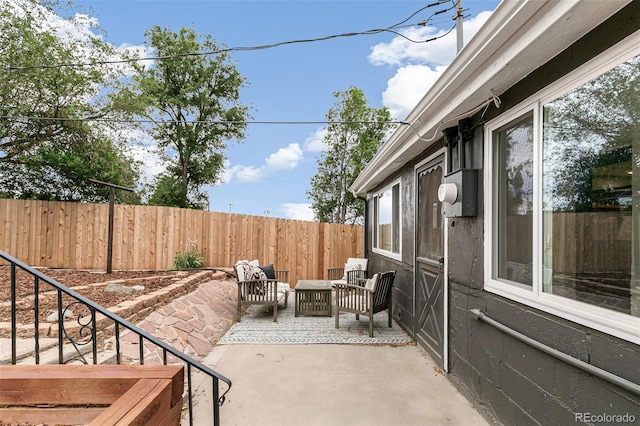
[269, 172]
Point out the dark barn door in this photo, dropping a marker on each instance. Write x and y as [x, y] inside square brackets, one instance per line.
[429, 300]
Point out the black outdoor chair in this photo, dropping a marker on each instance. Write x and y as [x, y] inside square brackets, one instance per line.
[373, 297]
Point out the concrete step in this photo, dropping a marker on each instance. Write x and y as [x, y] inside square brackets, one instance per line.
[26, 352]
[25, 348]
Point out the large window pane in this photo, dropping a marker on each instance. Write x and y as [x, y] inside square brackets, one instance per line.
[514, 203]
[591, 187]
[387, 220]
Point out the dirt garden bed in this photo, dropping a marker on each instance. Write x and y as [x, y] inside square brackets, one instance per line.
[90, 284]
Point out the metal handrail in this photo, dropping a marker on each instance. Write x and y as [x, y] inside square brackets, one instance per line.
[119, 322]
[589, 368]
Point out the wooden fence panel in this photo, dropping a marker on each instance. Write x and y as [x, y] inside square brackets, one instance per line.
[74, 235]
[593, 242]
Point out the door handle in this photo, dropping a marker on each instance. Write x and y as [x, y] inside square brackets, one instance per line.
[441, 261]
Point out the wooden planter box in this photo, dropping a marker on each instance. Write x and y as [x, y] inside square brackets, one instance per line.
[91, 394]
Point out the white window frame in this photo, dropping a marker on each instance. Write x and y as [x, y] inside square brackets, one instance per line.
[375, 233]
[618, 324]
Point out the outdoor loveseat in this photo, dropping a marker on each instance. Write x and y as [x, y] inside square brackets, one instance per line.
[261, 285]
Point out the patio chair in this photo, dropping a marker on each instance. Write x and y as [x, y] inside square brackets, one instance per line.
[261, 285]
[373, 297]
[353, 272]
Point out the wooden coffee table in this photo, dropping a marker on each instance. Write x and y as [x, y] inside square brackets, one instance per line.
[313, 297]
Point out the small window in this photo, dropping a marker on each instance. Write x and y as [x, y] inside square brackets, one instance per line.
[386, 220]
[513, 199]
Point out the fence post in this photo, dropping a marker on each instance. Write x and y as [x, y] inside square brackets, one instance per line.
[112, 200]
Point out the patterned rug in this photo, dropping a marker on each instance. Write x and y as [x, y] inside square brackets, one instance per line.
[257, 327]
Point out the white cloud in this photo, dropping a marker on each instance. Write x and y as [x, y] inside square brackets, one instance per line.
[407, 87]
[82, 27]
[472, 26]
[297, 211]
[78, 28]
[140, 51]
[315, 142]
[142, 147]
[401, 51]
[419, 64]
[284, 159]
[245, 174]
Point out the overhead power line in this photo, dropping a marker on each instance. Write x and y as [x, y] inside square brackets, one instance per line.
[150, 121]
[391, 29]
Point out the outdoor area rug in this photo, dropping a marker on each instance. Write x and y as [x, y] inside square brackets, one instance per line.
[257, 327]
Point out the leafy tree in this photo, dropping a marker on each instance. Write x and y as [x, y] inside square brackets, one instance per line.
[49, 146]
[593, 126]
[193, 102]
[354, 134]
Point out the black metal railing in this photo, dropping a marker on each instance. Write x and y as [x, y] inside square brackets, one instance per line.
[87, 332]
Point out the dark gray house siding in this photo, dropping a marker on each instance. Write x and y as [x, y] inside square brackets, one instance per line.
[509, 380]
[403, 284]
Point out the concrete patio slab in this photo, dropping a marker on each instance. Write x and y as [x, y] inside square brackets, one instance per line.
[333, 385]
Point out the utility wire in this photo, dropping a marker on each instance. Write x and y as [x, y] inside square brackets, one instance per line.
[390, 29]
[428, 40]
[147, 121]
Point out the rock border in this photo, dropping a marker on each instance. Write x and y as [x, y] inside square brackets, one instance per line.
[132, 310]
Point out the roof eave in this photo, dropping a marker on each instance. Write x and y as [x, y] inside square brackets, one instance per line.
[515, 40]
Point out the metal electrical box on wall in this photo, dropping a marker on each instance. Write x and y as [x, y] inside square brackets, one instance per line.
[459, 193]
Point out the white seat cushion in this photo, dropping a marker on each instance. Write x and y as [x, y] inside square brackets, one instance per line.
[283, 291]
[371, 283]
[354, 264]
[358, 302]
[360, 260]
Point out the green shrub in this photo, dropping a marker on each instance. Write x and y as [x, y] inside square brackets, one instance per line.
[191, 258]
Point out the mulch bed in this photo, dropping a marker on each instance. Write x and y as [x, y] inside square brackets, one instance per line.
[48, 300]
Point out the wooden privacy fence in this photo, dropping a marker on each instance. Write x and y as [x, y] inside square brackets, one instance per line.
[581, 243]
[74, 235]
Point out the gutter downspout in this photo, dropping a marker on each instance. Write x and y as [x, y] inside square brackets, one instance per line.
[366, 224]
